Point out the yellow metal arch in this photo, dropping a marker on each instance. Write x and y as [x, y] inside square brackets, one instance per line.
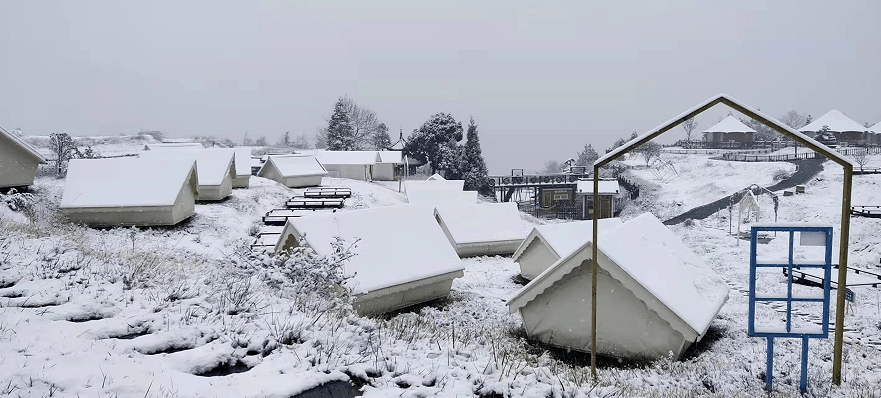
[776, 126]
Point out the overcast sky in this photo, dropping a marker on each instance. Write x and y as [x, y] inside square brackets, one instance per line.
[542, 78]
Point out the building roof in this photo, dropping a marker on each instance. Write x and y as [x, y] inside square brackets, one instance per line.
[837, 122]
[435, 177]
[730, 124]
[399, 144]
[295, 166]
[125, 182]
[652, 260]
[565, 238]
[483, 223]
[212, 164]
[396, 157]
[24, 145]
[396, 244]
[348, 157]
[605, 187]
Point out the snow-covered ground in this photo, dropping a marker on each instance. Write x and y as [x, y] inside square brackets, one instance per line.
[189, 311]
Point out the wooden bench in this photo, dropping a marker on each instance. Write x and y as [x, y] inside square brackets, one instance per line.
[280, 216]
[314, 203]
[266, 241]
[327, 192]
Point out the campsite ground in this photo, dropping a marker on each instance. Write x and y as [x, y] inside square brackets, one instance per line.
[125, 312]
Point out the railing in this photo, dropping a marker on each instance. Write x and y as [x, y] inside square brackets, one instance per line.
[768, 158]
[543, 179]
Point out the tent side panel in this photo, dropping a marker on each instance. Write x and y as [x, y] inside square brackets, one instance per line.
[561, 317]
[242, 181]
[213, 193]
[302, 181]
[384, 172]
[536, 258]
[350, 171]
[17, 168]
[368, 304]
[122, 217]
[185, 205]
[492, 248]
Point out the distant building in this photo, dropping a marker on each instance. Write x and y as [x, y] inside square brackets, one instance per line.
[729, 132]
[845, 129]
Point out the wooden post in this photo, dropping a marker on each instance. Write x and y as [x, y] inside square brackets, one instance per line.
[842, 275]
[593, 280]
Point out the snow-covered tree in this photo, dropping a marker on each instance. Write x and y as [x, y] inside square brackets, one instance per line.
[861, 157]
[381, 140]
[425, 143]
[301, 142]
[476, 176]
[340, 134]
[64, 148]
[649, 151]
[261, 141]
[587, 156]
[794, 119]
[452, 163]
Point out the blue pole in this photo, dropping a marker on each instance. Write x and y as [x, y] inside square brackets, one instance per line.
[803, 385]
[770, 370]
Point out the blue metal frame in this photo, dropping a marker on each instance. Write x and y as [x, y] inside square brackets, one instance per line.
[804, 335]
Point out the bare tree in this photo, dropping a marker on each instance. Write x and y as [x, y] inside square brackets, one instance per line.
[649, 151]
[553, 167]
[320, 137]
[689, 125]
[794, 119]
[64, 148]
[364, 121]
[861, 156]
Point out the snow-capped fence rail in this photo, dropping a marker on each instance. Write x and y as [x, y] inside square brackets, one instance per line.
[744, 156]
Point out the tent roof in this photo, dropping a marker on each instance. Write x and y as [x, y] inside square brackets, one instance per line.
[213, 164]
[485, 222]
[663, 267]
[452, 185]
[396, 157]
[606, 186]
[295, 166]
[24, 145]
[435, 177]
[876, 128]
[125, 182]
[243, 161]
[175, 145]
[565, 238]
[730, 124]
[837, 122]
[348, 157]
[398, 244]
[429, 195]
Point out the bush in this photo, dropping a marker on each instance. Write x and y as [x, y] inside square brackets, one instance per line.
[781, 174]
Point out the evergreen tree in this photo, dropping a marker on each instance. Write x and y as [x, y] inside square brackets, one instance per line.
[430, 142]
[476, 178]
[587, 156]
[381, 140]
[452, 164]
[340, 134]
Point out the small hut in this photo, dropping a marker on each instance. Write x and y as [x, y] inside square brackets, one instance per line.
[548, 243]
[293, 171]
[655, 296]
[485, 229]
[354, 165]
[729, 132]
[400, 259]
[611, 198]
[121, 192]
[845, 129]
[216, 168]
[18, 161]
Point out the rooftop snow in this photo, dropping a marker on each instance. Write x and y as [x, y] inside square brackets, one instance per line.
[398, 244]
[175, 145]
[391, 157]
[243, 161]
[24, 145]
[605, 186]
[435, 177]
[565, 238]
[124, 182]
[876, 128]
[486, 222]
[452, 185]
[658, 260]
[429, 195]
[213, 164]
[347, 157]
[730, 124]
[837, 122]
[295, 165]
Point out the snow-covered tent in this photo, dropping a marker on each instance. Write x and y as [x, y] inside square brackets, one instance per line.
[293, 171]
[405, 263]
[243, 168]
[483, 229]
[433, 196]
[384, 170]
[173, 145]
[844, 128]
[435, 177]
[451, 185]
[130, 191]
[548, 243]
[355, 165]
[216, 168]
[18, 161]
[655, 296]
[729, 129]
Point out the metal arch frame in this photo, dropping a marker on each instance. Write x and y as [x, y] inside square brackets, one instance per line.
[776, 126]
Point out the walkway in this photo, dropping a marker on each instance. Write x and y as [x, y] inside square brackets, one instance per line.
[807, 169]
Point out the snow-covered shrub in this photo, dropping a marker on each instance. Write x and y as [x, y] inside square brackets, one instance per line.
[781, 174]
[18, 201]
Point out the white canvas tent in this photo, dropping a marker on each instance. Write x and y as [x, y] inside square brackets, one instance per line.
[453, 185]
[130, 191]
[293, 171]
[547, 244]
[401, 259]
[435, 177]
[385, 168]
[216, 168]
[483, 229]
[243, 168]
[174, 145]
[433, 196]
[18, 161]
[656, 296]
[355, 165]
